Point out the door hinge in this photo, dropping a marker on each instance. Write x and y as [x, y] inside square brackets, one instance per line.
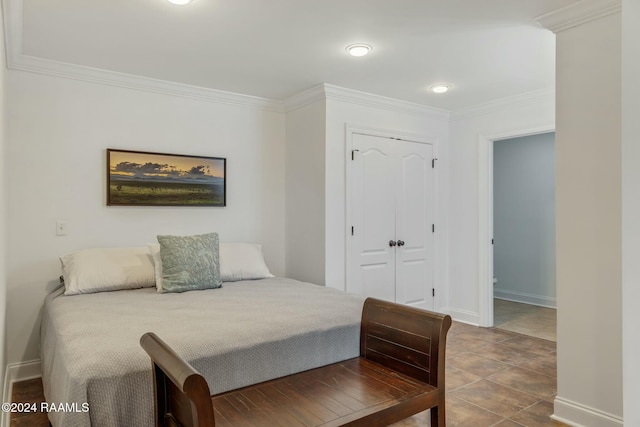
[352, 230]
[353, 154]
[492, 241]
[433, 292]
[433, 228]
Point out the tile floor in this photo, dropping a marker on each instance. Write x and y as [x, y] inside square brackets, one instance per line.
[494, 378]
[525, 319]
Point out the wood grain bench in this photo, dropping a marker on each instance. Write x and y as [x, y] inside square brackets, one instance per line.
[399, 373]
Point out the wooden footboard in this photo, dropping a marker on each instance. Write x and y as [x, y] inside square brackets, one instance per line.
[400, 372]
[410, 341]
[182, 397]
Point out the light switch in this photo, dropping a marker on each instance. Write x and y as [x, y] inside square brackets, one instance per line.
[61, 228]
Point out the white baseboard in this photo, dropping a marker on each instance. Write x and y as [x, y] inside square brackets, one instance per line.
[578, 415]
[463, 316]
[17, 372]
[515, 296]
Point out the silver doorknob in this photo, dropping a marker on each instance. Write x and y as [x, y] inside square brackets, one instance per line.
[392, 243]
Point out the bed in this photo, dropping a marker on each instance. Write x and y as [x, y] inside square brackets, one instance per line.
[243, 333]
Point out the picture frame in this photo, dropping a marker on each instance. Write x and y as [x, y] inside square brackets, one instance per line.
[141, 178]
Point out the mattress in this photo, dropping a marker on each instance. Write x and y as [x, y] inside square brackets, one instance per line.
[243, 333]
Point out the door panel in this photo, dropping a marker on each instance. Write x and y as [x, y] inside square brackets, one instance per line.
[375, 281]
[414, 266]
[413, 293]
[377, 196]
[373, 214]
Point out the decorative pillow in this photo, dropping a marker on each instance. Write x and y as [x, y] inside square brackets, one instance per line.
[238, 261]
[190, 262]
[107, 269]
[242, 261]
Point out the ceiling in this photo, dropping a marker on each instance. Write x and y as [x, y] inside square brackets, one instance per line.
[486, 49]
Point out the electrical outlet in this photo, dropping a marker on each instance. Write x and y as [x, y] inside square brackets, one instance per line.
[61, 228]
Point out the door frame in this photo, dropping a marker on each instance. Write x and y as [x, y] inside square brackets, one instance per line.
[350, 131]
[485, 215]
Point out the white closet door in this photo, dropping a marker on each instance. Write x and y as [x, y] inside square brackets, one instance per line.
[414, 219]
[373, 211]
[392, 201]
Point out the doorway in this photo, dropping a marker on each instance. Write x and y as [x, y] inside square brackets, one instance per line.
[524, 285]
[486, 220]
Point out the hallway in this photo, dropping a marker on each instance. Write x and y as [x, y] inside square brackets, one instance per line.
[526, 319]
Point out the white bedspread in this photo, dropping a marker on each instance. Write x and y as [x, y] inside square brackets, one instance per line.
[244, 333]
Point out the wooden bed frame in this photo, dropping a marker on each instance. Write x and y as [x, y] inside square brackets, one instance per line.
[399, 373]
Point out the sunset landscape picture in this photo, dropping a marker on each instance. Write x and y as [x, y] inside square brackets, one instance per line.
[156, 179]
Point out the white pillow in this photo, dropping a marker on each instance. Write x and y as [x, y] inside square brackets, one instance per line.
[107, 269]
[154, 250]
[242, 261]
[238, 261]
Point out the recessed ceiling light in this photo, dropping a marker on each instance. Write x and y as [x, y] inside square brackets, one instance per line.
[358, 49]
[440, 88]
[180, 2]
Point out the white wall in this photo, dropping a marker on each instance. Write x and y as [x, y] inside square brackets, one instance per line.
[589, 229]
[524, 219]
[305, 190]
[631, 209]
[59, 130]
[508, 118]
[3, 201]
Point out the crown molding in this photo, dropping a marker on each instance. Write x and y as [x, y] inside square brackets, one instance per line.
[578, 13]
[377, 101]
[16, 60]
[306, 97]
[327, 91]
[536, 96]
[147, 84]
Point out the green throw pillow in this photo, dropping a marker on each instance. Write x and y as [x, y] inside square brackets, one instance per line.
[190, 262]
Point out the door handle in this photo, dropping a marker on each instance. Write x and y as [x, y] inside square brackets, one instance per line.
[400, 242]
[392, 243]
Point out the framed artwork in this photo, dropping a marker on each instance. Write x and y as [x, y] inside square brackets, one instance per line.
[138, 178]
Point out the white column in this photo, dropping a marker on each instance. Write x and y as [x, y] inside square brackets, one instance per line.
[631, 210]
[589, 213]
